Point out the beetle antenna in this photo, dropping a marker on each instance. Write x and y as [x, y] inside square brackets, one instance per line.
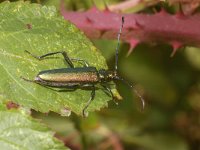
[135, 91]
[117, 48]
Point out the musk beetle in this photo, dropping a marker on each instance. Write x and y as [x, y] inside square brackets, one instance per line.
[80, 77]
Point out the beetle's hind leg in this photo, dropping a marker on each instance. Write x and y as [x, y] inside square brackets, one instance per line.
[89, 101]
[66, 57]
[28, 80]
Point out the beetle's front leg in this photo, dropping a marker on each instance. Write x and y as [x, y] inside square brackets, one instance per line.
[109, 90]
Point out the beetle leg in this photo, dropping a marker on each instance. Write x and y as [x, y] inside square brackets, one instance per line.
[28, 80]
[67, 59]
[89, 101]
[109, 90]
[85, 63]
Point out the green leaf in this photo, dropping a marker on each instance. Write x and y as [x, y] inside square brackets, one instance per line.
[20, 132]
[150, 141]
[193, 56]
[40, 30]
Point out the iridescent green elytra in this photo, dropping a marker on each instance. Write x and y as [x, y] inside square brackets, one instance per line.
[66, 75]
[85, 77]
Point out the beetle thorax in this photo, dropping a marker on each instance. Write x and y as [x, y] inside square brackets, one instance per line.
[107, 75]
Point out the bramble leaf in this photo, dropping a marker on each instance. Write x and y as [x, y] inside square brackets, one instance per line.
[19, 132]
[40, 30]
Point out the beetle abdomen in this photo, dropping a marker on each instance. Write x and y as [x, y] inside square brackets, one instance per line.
[70, 75]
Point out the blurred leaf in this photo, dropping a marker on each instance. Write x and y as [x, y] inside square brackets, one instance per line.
[19, 131]
[40, 30]
[107, 47]
[147, 71]
[157, 141]
[139, 5]
[62, 127]
[55, 3]
[136, 134]
[193, 56]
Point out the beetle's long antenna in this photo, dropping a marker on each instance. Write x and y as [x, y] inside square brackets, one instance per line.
[135, 91]
[117, 48]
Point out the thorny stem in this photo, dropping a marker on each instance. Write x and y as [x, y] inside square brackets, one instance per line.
[161, 27]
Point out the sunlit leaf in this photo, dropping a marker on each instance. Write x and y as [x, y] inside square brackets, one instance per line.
[40, 30]
[19, 132]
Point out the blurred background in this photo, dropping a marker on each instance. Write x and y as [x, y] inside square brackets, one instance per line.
[170, 87]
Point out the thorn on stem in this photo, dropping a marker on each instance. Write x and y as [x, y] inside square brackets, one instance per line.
[133, 43]
[175, 45]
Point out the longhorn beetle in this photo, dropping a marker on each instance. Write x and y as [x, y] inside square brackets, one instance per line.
[80, 77]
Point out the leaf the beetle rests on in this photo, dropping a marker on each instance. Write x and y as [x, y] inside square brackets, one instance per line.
[39, 29]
